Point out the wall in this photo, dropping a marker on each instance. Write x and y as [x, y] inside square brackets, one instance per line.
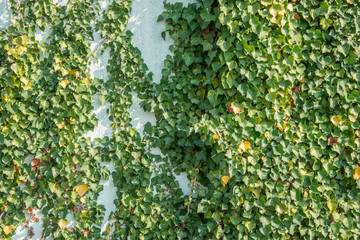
[147, 37]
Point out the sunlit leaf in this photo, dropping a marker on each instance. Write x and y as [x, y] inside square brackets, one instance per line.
[64, 83]
[8, 229]
[244, 146]
[332, 205]
[336, 120]
[62, 223]
[81, 190]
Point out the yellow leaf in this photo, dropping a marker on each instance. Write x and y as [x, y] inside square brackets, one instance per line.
[224, 180]
[244, 146]
[3, 206]
[72, 72]
[241, 200]
[62, 223]
[357, 173]
[8, 229]
[64, 83]
[61, 125]
[336, 120]
[107, 229]
[81, 190]
[215, 136]
[198, 169]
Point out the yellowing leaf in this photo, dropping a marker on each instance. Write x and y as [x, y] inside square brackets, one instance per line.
[107, 229]
[61, 125]
[244, 146]
[357, 173]
[64, 83]
[3, 206]
[241, 200]
[336, 120]
[62, 223]
[81, 190]
[8, 229]
[332, 205]
[72, 72]
[224, 180]
[198, 169]
[215, 137]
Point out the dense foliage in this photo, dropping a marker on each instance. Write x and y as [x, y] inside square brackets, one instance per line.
[258, 104]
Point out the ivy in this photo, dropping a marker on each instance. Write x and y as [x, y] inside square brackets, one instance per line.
[258, 104]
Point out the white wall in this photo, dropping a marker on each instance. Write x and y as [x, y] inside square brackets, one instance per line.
[147, 37]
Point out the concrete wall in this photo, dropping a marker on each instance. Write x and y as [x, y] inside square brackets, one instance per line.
[147, 37]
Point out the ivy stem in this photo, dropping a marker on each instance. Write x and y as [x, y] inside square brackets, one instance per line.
[97, 49]
[191, 191]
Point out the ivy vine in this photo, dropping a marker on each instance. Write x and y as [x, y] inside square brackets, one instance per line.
[258, 104]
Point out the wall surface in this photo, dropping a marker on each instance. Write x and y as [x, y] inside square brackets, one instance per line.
[147, 37]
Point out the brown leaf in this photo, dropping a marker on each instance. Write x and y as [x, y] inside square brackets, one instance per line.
[31, 234]
[229, 109]
[85, 232]
[35, 219]
[296, 16]
[35, 162]
[332, 141]
[296, 89]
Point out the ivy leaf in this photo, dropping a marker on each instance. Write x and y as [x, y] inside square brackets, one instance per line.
[17, 68]
[232, 108]
[216, 137]
[8, 229]
[271, 96]
[332, 205]
[332, 141]
[3, 206]
[62, 223]
[244, 146]
[357, 173]
[64, 83]
[81, 190]
[266, 2]
[336, 120]
[225, 180]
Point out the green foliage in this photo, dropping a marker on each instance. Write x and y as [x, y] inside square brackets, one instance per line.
[258, 104]
[283, 76]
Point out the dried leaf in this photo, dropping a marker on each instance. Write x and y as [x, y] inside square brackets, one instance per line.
[232, 108]
[332, 141]
[296, 16]
[85, 232]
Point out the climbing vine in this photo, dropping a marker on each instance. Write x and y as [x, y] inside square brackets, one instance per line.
[258, 104]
